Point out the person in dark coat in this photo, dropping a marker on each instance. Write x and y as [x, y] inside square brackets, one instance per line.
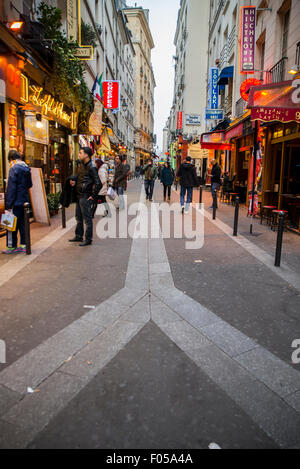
[17, 194]
[87, 185]
[215, 179]
[167, 179]
[188, 180]
[120, 180]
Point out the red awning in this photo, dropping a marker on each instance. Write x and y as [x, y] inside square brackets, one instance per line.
[276, 102]
[214, 141]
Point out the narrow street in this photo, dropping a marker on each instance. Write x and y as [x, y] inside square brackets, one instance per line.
[170, 354]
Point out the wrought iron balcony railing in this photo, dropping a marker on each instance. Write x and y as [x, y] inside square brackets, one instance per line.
[277, 73]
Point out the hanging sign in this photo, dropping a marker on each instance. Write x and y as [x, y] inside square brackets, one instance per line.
[247, 39]
[179, 120]
[213, 88]
[246, 85]
[111, 94]
[95, 122]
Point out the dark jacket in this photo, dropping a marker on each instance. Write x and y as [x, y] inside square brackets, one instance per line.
[228, 184]
[18, 185]
[68, 195]
[167, 176]
[151, 175]
[88, 182]
[216, 174]
[120, 179]
[188, 176]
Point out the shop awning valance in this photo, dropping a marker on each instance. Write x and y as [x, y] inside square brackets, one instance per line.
[276, 102]
[214, 141]
[225, 75]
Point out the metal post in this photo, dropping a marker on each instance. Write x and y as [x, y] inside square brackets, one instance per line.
[201, 195]
[63, 217]
[215, 203]
[279, 239]
[236, 216]
[27, 228]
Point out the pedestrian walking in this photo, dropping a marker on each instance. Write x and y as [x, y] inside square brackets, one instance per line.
[120, 180]
[87, 185]
[215, 180]
[138, 172]
[188, 180]
[167, 179]
[17, 194]
[150, 174]
[103, 176]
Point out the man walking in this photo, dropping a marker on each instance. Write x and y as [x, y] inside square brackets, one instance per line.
[88, 186]
[188, 180]
[150, 172]
[120, 180]
[215, 180]
[18, 185]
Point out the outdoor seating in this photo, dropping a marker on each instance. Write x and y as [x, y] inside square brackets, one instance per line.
[275, 219]
[266, 213]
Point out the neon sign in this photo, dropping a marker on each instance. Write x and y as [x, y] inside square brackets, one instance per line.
[48, 104]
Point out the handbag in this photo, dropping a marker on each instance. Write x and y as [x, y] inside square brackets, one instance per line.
[8, 221]
[111, 193]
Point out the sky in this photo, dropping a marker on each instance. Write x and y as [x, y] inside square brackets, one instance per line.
[163, 20]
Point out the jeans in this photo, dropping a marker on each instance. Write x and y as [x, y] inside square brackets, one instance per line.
[167, 188]
[149, 187]
[215, 186]
[84, 215]
[120, 191]
[12, 236]
[183, 191]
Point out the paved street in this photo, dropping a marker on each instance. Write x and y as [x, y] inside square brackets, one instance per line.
[144, 344]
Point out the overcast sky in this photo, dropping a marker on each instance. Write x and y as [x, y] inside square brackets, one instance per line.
[163, 19]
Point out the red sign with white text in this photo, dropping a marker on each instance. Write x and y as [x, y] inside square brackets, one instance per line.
[247, 39]
[111, 94]
[179, 120]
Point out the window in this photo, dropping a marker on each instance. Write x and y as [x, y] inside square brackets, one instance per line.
[285, 32]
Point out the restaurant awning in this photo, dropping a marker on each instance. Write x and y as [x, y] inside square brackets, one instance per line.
[276, 102]
[214, 141]
[225, 75]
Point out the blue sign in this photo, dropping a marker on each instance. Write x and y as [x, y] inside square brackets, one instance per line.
[214, 114]
[213, 88]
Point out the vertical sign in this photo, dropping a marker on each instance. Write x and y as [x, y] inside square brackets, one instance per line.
[72, 20]
[247, 39]
[111, 94]
[179, 120]
[213, 88]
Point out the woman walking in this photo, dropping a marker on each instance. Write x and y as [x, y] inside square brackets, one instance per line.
[103, 175]
[167, 179]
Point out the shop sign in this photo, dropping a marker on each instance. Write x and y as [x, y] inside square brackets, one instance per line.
[34, 133]
[235, 132]
[275, 114]
[214, 141]
[49, 106]
[213, 88]
[111, 94]
[246, 85]
[247, 39]
[179, 120]
[193, 119]
[214, 114]
[72, 20]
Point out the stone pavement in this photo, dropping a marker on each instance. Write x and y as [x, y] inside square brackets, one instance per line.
[162, 363]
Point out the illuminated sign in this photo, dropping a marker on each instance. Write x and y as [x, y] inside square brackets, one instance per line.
[111, 94]
[214, 114]
[246, 85]
[179, 120]
[247, 39]
[213, 88]
[10, 74]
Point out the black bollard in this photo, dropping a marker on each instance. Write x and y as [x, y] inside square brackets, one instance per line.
[279, 239]
[27, 228]
[201, 195]
[215, 204]
[63, 217]
[236, 216]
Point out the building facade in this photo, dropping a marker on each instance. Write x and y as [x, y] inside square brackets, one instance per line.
[138, 24]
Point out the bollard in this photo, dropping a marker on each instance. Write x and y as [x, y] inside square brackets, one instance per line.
[27, 228]
[279, 239]
[215, 204]
[201, 195]
[63, 217]
[236, 216]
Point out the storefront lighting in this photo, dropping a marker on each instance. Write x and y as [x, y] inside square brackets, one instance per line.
[16, 26]
[294, 70]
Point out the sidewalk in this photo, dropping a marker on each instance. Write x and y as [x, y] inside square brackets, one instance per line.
[184, 348]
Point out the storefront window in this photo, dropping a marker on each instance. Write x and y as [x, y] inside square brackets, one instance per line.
[277, 132]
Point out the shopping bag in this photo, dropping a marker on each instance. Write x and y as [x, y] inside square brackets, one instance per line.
[111, 193]
[8, 221]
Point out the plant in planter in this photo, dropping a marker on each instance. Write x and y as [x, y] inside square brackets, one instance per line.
[53, 203]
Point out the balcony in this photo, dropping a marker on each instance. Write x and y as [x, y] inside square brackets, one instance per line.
[228, 50]
[277, 73]
[240, 107]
